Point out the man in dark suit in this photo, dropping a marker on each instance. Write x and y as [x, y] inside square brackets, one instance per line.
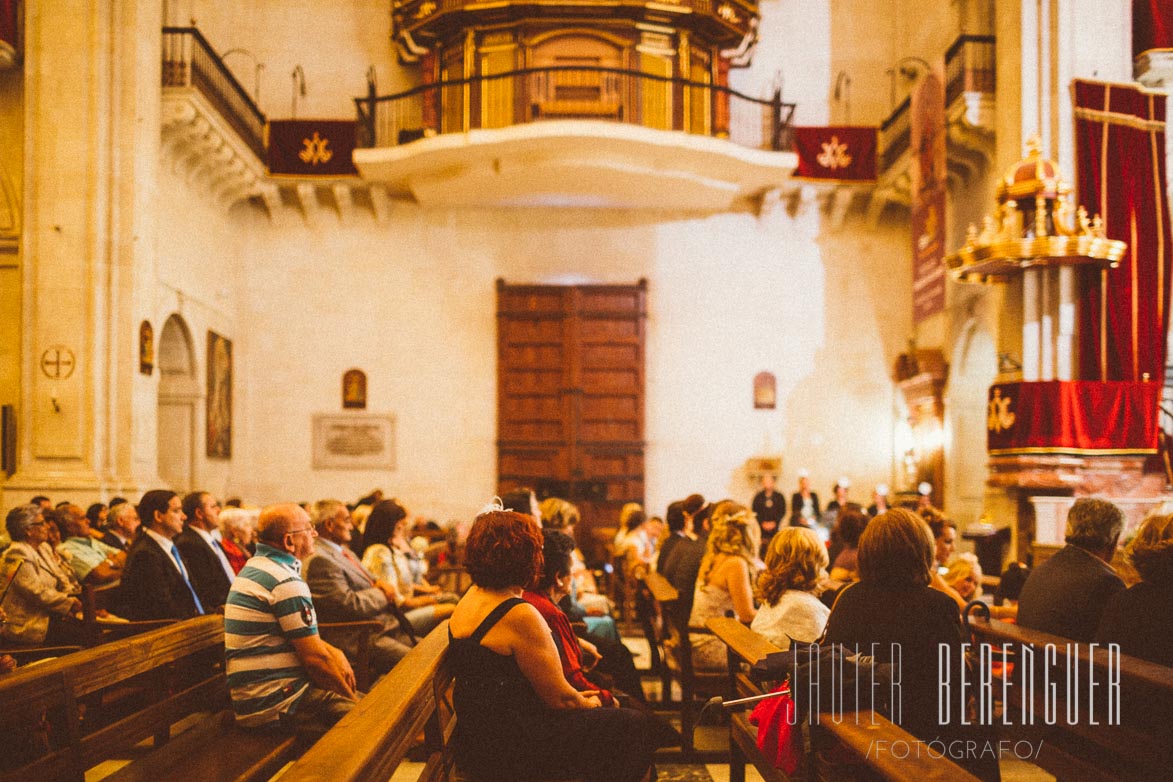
[123, 526]
[1066, 594]
[344, 591]
[155, 582]
[770, 508]
[208, 567]
[804, 503]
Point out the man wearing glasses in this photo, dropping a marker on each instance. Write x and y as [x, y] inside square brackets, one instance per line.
[280, 672]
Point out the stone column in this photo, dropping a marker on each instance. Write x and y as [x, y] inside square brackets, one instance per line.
[1031, 324]
[1065, 337]
[88, 150]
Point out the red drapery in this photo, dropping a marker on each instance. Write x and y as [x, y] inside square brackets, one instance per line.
[1120, 153]
[1074, 417]
[1152, 25]
[839, 153]
[9, 24]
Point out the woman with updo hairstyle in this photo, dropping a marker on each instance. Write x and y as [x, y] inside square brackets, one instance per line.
[892, 613]
[723, 583]
[1139, 618]
[796, 564]
[517, 716]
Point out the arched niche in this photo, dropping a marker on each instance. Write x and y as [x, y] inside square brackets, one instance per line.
[179, 398]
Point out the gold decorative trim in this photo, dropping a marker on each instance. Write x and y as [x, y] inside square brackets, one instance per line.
[1116, 118]
[1031, 451]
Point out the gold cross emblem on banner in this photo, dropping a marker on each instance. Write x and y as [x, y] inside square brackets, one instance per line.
[316, 150]
[834, 155]
[1000, 418]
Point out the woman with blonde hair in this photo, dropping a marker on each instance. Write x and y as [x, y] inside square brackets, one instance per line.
[1139, 618]
[796, 563]
[620, 543]
[724, 581]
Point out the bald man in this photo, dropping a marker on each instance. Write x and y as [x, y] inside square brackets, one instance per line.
[280, 672]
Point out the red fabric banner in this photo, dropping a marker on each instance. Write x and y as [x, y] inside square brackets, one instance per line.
[840, 153]
[312, 147]
[9, 28]
[927, 128]
[1120, 154]
[1152, 25]
[1076, 417]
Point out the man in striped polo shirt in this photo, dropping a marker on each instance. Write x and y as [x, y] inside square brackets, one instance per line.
[280, 672]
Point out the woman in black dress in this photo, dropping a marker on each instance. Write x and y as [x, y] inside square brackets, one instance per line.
[517, 716]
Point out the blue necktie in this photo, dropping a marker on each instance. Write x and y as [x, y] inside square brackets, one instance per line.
[183, 572]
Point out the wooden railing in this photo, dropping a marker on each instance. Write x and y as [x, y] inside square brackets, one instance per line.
[573, 92]
[190, 61]
[895, 135]
[969, 66]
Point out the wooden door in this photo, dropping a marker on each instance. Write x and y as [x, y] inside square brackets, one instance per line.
[570, 398]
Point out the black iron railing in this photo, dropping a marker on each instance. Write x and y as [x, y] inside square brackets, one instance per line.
[573, 92]
[895, 135]
[190, 61]
[969, 66]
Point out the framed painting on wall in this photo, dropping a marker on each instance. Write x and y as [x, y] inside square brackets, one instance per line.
[219, 419]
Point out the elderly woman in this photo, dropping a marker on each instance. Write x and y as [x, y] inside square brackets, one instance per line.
[238, 535]
[723, 583]
[796, 562]
[893, 612]
[1139, 618]
[518, 717]
[39, 612]
[387, 560]
[582, 603]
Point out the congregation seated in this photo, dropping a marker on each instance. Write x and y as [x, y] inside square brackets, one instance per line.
[207, 564]
[155, 582]
[238, 535]
[893, 613]
[92, 560]
[1067, 594]
[1139, 618]
[844, 548]
[964, 576]
[582, 601]
[388, 557]
[281, 674]
[620, 543]
[344, 591]
[40, 609]
[683, 562]
[796, 563]
[122, 523]
[57, 562]
[723, 583]
[517, 716]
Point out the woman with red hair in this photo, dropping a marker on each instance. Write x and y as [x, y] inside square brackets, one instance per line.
[518, 717]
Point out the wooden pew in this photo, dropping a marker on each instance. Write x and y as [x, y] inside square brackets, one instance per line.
[695, 686]
[1138, 747]
[827, 738]
[368, 744]
[167, 675]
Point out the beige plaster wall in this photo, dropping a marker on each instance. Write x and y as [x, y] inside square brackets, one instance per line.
[412, 303]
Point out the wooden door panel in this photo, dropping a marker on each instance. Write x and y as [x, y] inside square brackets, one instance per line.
[595, 330]
[610, 354]
[520, 465]
[570, 396]
[543, 331]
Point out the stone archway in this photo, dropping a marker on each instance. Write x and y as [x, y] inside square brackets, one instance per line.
[974, 367]
[179, 398]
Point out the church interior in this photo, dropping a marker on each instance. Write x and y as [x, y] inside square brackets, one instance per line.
[614, 251]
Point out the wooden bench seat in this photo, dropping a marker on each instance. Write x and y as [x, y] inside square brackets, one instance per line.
[1136, 745]
[100, 703]
[829, 742]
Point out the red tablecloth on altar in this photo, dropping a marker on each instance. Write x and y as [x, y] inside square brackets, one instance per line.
[1079, 417]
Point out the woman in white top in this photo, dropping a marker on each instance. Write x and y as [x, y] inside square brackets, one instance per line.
[424, 607]
[796, 563]
[723, 582]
